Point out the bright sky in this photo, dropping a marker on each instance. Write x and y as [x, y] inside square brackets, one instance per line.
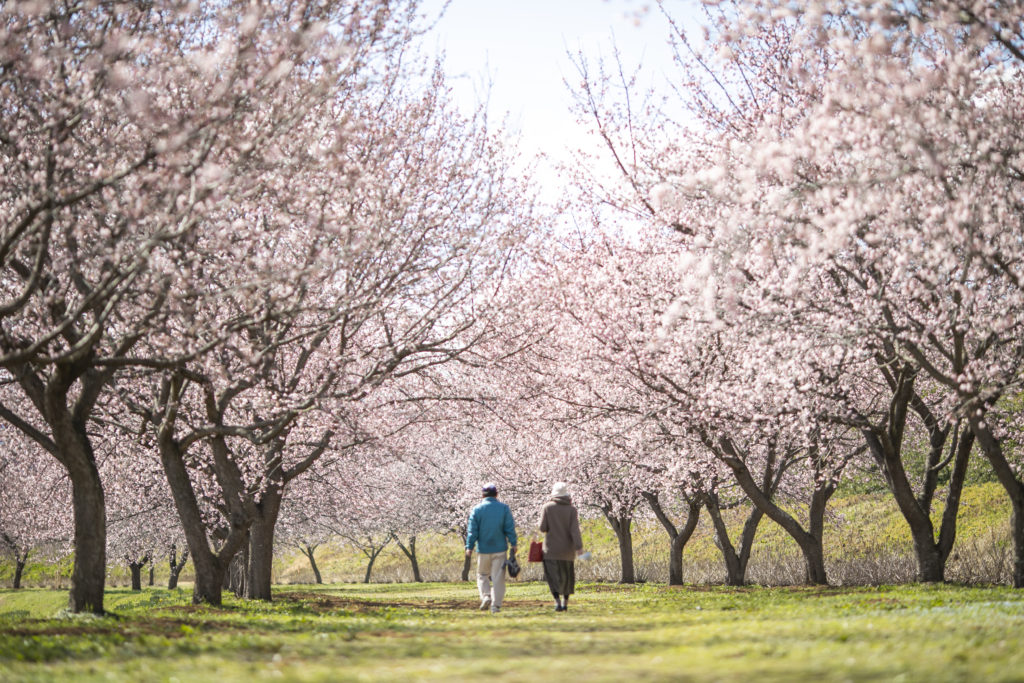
[520, 48]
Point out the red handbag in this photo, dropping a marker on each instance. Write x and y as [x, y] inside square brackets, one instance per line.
[536, 551]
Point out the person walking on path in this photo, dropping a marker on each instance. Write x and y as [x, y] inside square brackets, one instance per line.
[492, 531]
[560, 521]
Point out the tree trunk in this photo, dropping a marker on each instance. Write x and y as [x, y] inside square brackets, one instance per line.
[90, 569]
[369, 569]
[1017, 527]
[886, 442]
[623, 527]
[176, 566]
[414, 560]
[308, 551]
[680, 541]
[677, 539]
[735, 562]
[136, 569]
[72, 448]
[261, 544]
[931, 568]
[372, 555]
[209, 570]
[816, 529]
[761, 497]
[993, 449]
[625, 535]
[20, 560]
[930, 564]
[152, 573]
[410, 552]
[963, 444]
[467, 561]
[208, 587]
[814, 561]
[210, 567]
[238, 571]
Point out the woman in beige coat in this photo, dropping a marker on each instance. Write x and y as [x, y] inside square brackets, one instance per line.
[560, 522]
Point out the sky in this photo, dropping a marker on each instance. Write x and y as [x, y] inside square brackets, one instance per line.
[520, 48]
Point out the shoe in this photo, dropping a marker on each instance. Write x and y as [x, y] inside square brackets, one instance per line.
[558, 608]
[485, 604]
[495, 609]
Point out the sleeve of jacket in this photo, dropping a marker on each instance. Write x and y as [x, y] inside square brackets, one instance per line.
[574, 530]
[473, 532]
[510, 527]
[543, 526]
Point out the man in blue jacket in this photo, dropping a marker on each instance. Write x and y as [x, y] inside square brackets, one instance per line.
[490, 526]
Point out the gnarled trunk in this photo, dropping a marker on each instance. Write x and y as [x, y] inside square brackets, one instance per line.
[993, 449]
[308, 549]
[176, 565]
[208, 587]
[1017, 529]
[409, 549]
[238, 571]
[90, 569]
[761, 496]
[931, 554]
[467, 561]
[735, 562]
[622, 525]
[677, 538]
[809, 543]
[71, 447]
[261, 545]
[20, 560]
[372, 557]
[885, 443]
[208, 567]
[136, 570]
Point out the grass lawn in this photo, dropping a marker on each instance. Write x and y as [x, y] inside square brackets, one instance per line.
[611, 632]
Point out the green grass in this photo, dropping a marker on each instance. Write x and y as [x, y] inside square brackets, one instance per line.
[434, 632]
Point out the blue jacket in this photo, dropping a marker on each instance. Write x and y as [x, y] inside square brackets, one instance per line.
[490, 524]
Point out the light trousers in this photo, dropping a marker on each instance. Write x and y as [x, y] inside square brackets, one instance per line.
[490, 577]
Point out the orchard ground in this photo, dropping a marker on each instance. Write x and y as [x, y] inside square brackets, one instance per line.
[611, 632]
